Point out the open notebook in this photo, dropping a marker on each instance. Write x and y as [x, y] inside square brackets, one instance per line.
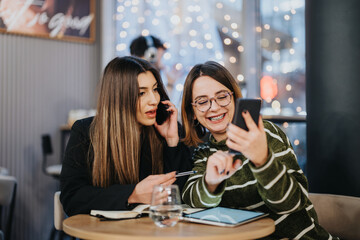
[117, 215]
[138, 211]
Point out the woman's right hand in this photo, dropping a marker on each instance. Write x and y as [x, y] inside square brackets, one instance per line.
[220, 166]
[143, 190]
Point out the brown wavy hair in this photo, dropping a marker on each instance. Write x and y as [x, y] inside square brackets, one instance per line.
[195, 131]
[115, 134]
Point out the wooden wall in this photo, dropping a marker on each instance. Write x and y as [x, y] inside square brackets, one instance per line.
[40, 81]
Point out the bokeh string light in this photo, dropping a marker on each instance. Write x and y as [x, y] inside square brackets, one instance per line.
[283, 50]
[195, 31]
[283, 60]
[199, 30]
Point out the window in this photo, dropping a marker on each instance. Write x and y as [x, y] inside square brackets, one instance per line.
[261, 42]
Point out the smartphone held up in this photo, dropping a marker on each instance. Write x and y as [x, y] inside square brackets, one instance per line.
[253, 106]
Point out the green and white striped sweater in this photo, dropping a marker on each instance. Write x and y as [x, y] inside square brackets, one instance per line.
[279, 188]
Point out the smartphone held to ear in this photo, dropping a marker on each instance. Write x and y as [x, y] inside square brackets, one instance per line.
[253, 106]
[162, 114]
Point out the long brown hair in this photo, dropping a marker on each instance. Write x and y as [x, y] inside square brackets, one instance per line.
[115, 133]
[195, 131]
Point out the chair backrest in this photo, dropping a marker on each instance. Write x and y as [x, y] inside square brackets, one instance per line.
[7, 199]
[338, 214]
[46, 144]
[59, 214]
[46, 150]
[52, 170]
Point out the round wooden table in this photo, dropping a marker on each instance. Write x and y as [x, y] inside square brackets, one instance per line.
[87, 227]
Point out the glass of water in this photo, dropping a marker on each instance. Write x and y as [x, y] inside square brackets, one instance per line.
[165, 208]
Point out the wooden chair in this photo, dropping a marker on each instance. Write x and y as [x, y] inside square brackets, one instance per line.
[50, 170]
[59, 216]
[7, 202]
[338, 214]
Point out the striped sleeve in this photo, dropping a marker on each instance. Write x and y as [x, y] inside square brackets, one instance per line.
[195, 193]
[281, 183]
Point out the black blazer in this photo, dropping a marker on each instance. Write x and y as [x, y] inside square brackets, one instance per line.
[78, 195]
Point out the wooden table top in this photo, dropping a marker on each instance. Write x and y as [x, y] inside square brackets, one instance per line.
[87, 227]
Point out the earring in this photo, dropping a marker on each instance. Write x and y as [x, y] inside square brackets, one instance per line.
[196, 123]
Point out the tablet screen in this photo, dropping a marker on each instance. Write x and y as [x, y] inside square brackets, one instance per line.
[226, 215]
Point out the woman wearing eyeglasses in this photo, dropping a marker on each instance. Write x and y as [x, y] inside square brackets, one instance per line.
[265, 177]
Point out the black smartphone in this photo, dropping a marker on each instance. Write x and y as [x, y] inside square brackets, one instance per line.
[253, 106]
[162, 114]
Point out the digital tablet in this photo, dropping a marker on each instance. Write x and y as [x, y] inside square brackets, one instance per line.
[221, 216]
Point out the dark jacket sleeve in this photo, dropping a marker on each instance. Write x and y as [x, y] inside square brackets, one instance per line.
[78, 195]
[178, 159]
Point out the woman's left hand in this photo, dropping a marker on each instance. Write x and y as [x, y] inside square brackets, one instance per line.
[252, 143]
[169, 129]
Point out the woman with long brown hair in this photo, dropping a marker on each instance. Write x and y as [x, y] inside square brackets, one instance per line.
[114, 159]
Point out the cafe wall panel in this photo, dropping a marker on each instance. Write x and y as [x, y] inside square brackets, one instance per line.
[333, 96]
[41, 80]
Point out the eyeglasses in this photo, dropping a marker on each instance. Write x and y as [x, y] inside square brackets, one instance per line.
[222, 99]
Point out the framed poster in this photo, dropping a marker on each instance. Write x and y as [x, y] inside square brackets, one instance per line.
[69, 20]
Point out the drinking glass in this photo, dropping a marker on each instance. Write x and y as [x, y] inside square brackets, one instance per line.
[165, 208]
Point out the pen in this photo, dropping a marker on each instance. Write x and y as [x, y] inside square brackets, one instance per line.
[185, 173]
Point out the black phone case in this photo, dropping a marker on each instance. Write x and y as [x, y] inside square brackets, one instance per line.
[161, 113]
[253, 106]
